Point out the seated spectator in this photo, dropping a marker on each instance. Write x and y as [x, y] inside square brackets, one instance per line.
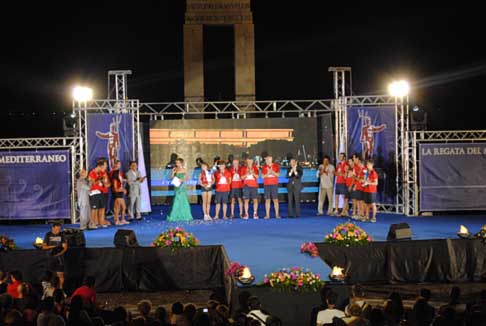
[421, 314]
[13, 287]
[454, 301]
[3, 282]
[6, 303]
[323, 306]
[377, 318]
[13, 318]
[353, 315]
[78, 316]
[393, 309]
[59, 302]
[243, 297]
[161, 316]
[477, 311]
[256, 311]
[139, 321]
[47, 284]
[221, 316]
[189, 313]
[326, 316]
[450, 315]
[176, 316]
[202, 319]
[358, 298]
[144, 308]
[87, 292]
[48, 315]
[120, 316]
[274, 321]
[426, 294]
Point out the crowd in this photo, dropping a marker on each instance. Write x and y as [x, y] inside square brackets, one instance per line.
[23, 303]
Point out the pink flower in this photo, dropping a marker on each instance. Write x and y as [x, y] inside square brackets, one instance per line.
[300, 283]
[292, 276]
[295, 269]
[266, 280]
[370, 238]
[167, 242]
[318, 275]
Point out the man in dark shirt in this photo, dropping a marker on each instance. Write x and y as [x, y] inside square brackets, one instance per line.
[55, 242]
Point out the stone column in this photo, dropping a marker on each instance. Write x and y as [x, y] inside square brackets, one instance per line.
[193, 63]
[244, 62]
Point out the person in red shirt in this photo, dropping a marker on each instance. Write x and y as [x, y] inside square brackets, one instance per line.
[236, 188]
[341, 189]
[87, 292]
[222, 179]
[118, 192]
[270, 172]
[206, 181]
[105, 188]
[370, 186]
[13, 287]
[96, 198]
[350, 185]
[249, 174]
[356, 193]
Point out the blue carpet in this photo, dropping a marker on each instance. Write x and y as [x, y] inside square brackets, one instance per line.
[264, 245]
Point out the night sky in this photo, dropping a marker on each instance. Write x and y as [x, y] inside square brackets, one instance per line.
[48, 49]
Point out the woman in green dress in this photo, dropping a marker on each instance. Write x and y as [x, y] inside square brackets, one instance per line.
[180, 210]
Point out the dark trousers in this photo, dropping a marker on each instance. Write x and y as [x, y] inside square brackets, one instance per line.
[294, 198]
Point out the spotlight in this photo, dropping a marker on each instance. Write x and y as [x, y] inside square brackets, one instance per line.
[415, 109]
[399, 88]
[463, 232]
[73, 115]
[82, 93]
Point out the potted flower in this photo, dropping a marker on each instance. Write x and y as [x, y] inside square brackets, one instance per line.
[348, 234]
[175, 238]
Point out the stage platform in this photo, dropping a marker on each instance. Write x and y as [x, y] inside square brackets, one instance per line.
[264, 245]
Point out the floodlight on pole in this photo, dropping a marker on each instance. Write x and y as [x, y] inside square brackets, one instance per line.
[399, 88]
[82, 93]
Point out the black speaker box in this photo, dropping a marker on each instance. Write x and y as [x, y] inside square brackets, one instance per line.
[399, 232]
[125, 238]
[74, 238]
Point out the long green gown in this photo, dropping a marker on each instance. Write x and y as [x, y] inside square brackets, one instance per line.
[180, 210]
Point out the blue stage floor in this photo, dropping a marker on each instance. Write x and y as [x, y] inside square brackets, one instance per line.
[264, 245]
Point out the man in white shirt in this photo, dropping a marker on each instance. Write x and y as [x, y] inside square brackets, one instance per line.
[256, 312]
[326, 316]
[325, 173]
[134, 180]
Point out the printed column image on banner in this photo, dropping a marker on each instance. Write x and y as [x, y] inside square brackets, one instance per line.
[452, 176]
[35, 184]
[110, 136]
[371, 134]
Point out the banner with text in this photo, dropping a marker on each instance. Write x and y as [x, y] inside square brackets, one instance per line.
[35, 185]
[452, 176]
[110, 136]
[371, 134]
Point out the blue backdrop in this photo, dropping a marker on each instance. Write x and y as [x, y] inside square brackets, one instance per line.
[371, 133]
[110, 136]
[35, 184]
[452, 177]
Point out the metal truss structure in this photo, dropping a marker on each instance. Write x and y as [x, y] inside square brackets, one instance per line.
[401, 129]
[74, 144]
[414, 138]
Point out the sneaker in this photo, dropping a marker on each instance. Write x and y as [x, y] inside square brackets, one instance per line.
[225, 218]
[104, 225]
[207, 218]
[139, 218]
[266, 217]
[232, 217]
[243, 216]
[278, 217]
[118, 223]
[92, 227]
[216, 218]
[255, 216]
[373, 220]
[125, 222]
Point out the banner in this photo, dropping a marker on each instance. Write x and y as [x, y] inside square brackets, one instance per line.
[110, 136]
[35, 184]
[452, 176]
[146, 207]
[372, 134]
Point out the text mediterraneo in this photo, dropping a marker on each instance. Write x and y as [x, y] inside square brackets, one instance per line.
[19, 159]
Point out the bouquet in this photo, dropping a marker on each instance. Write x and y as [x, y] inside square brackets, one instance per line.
[348, 234]
[310, 248]
[176, 238]
[294, 279]
[7, 244]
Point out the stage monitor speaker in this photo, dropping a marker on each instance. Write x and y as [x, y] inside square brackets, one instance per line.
[398, 232]
[125, 238]
[75, 238]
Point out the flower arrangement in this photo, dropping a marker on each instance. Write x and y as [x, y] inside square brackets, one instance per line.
[235, 269]
[348, 234]
[294, 279]
[175, 238]
[481, 234]
[7, 244]
[310, 248]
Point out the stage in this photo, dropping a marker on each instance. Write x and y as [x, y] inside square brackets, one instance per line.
[264, 245]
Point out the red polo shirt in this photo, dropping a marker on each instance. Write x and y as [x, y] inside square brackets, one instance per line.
[13, 289]
[250, 181]
[222, 181]
[236, 181]
[270, 180]
[87, 294]
[341, 169]
[372, 177]
[94, 176]
[357, 173]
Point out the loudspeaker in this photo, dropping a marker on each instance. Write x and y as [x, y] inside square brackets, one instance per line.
[399, 232]
[75, 238]
[125, 238]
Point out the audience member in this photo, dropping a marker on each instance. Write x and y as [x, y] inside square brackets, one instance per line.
[144, 308]
[13, 318]
[421, 314]
[243, 297]
[59, 302]
[454, 301]
[326, 316]
[358, 298]
[393, 309]
[78, 316]
[377, 318]
[189, 313]
[256, 312]
[48, 315]
[47, 285]
[323, 306]
[3, 282]
[273, 321]
[354, 315]
[13, 287]
[120, 316]
[87, 292]
[161, 316]
[176, 316]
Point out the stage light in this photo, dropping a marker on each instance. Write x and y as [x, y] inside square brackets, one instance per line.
[245, 277]
[82, 94]
[463, 232]
[73, 115]
[337, 274]
[399, 88]
[415, 109]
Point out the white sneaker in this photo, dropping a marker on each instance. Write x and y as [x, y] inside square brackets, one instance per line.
[207, 218]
